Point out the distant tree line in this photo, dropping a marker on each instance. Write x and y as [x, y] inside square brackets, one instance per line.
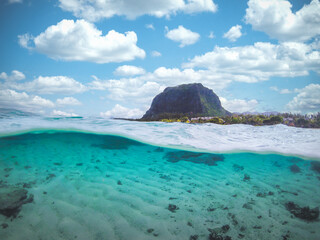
[289, 119]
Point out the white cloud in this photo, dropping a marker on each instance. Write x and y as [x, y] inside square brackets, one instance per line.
[68, 101]
[239, 105]
[274, 88]
[155, 54]
[234, 33]
[175, 76]
[26, 40]
[150, 26]
[49, 85]
[260, 61]
[21, 100]
[122, 112]
[15, 76]
[285, 91]
[183, 36]
[307, 100]
[82, 41]
[94, 10]
[63, 114]
[127, 70]
[282, 91]
[211, 35]
[276, 18]
[15, 1]
[140, 89]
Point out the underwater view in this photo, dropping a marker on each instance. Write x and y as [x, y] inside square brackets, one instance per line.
[160, 119]
[67, 184]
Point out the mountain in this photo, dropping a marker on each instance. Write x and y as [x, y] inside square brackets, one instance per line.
[192, 100]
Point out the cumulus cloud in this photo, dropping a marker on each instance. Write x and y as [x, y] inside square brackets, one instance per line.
[183, 36]
[307, 100]
[26, 40]
[138, 89]
[81, 41]
[63, 114]
[21, 100]
[234, 33]
[142, 89]
[49, 85]
[155, 54]
[211, 35]
[276, 18]
[260, 61]
[122, 112]
[15, 76]
[70, 101]
[283, 91]
[127, 70]
[239, 105]
[175, 76]
[150, 26]
[94, 10]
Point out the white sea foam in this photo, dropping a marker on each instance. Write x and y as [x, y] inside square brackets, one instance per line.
[211, 137]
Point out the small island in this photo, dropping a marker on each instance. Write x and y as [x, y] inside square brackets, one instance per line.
[194, 103]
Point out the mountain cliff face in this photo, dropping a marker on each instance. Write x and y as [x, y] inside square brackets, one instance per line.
[192, 100]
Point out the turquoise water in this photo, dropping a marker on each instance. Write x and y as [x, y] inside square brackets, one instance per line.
[91, 186]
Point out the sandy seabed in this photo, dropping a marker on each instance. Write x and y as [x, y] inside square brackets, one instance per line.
[89, 186]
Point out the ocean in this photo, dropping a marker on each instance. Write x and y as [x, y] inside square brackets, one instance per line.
[94, 178]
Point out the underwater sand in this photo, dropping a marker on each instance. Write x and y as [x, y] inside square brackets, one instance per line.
[90, 186]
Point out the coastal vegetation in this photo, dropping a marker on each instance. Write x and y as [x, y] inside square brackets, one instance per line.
[289, 119]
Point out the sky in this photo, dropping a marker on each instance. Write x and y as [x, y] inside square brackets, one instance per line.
[110, 58]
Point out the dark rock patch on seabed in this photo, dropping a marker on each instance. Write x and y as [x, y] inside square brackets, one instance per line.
[315, 166]
[246, 177]
[116, 143]
[12, 199]
[237, 168]
[218, 233]
[199, 158]
[304, 213]
[173, 208]
[295, 168]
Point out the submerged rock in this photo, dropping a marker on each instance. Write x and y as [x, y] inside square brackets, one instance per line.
[12, 199]
[218, 233]
[260, 194]
[199, 158]
[246, 177]
[315, 166]
[237, 168]
[4, 225]
[295, 168]
[116, 143]
[304, 213]
[172, 208]
[247, 206]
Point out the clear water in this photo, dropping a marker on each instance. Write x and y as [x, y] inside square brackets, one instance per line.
[94, 186]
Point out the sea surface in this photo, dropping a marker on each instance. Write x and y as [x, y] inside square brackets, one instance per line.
[94, 178]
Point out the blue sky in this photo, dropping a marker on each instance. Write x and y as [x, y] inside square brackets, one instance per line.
[110, 58]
